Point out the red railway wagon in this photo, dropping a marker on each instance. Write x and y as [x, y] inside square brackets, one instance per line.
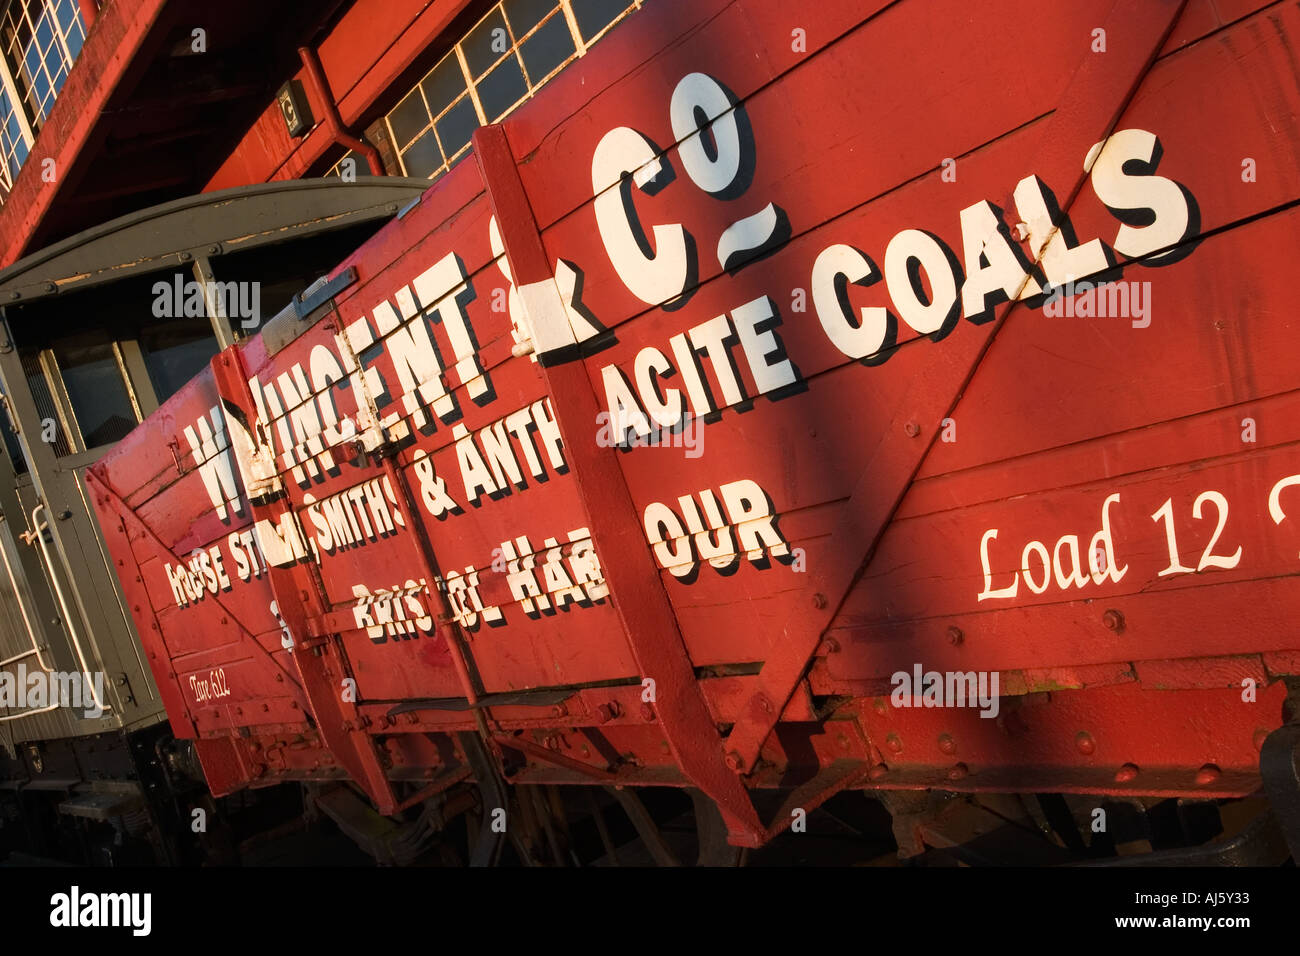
[790, 397]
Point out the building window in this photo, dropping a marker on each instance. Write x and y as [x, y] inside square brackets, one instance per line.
[39, 42]
[14, 139]
[41, 39]
[515, 49]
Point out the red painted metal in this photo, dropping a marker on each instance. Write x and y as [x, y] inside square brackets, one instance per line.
[1097, 512]
[324, 100]
[373, 45]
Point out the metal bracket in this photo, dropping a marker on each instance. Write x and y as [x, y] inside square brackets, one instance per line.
[290, 322]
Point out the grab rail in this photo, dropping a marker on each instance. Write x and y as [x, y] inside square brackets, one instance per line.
[31, 633]
[22, 607]
[37, 532]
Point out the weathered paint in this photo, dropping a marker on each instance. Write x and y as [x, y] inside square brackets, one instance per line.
[1071, 503]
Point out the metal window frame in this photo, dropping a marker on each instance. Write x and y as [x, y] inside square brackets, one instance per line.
[135, 377]
[580, 45]
[50, 8]
[49, 366]
[28, 120]
[18, 103]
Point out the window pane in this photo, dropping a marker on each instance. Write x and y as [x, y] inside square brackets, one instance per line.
[44, 34]
[67, 14]
[75, 40]
[547, 48]
[594, 15]
[483, 46]
[23, 34]
[526, 14]
[42, 90]
[408, 119]
[423, 157]
[501, 89]
[455, 128]
[97, 391]
[40, 390]
[176, 352]
[444, 84]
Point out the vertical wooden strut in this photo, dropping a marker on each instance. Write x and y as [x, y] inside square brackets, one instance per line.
[322, 665]
[635, 586]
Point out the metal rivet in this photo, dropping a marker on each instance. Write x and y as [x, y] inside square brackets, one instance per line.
[1084, 743]
[958, 771]
[1126, 773]
[1207, 775]
[1113, 620]
[955, 636]
[911, 429]
[947, 744]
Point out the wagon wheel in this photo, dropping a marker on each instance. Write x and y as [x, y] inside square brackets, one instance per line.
[645, 826]
[712, 830]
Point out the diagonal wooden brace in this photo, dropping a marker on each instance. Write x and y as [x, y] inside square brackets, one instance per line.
[322, 667]
[1096, 96]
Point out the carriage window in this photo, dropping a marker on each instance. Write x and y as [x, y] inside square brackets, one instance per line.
[46, 410]
[175, 351]
[99, 361]
[95, 379]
